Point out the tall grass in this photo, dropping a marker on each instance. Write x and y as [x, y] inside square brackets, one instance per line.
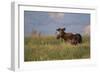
[49, 48]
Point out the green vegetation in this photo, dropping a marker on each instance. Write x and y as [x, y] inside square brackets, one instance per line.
[41, 48]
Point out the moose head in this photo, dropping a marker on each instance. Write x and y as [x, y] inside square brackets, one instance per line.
[60, 32]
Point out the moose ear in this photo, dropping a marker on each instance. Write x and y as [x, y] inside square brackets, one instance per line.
[64, 29]
[58, 29]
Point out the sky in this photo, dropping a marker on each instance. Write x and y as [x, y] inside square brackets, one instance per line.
[48, 22]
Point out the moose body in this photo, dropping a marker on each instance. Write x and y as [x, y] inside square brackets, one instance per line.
[69, 37]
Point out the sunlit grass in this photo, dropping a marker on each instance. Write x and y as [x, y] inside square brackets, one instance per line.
[49, 48]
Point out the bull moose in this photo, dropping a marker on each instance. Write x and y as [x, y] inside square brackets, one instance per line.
[69, 37]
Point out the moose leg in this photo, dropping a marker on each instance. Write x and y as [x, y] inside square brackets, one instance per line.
[74, 40]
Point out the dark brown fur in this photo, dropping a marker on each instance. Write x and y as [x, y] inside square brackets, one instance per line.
[69, 37]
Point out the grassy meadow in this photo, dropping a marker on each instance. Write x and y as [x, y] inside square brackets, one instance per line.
[42, 48]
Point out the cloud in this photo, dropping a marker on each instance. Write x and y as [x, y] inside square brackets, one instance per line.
[86, 30]
[56, 15]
